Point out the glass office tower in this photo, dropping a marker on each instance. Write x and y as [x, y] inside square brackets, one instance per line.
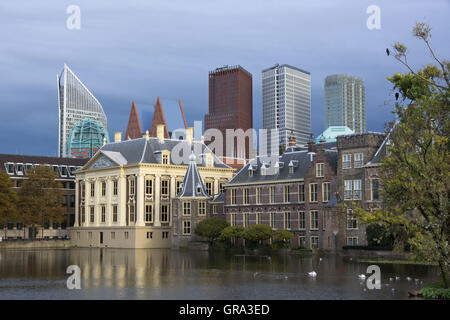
[75, 103]
[86, 138]
[287, 103]
[345, 102]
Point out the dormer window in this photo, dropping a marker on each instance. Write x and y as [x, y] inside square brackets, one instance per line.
[9, 168]
[165, 159]
[291, 169]
[63, 171]
[209, 160]
[55, 169]
[250, 172]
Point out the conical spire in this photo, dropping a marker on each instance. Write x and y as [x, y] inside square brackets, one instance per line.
[134, 129]
[193, 186]
[158, 118]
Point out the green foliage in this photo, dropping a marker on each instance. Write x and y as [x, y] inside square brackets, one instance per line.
[257, 233]
[40, 198]
[436, 291]
[211, 228]
[282, 237]
[8, 199]
[379, 235]
[415, 175]
[232, 232]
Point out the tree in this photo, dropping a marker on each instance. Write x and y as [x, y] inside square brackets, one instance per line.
[283, 237]
[211, 228]
[257, 233]
[40, 199]
[8, 200]
[415, 173]
[232, 232]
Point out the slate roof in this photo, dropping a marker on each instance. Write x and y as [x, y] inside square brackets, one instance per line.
[381, 152]
[220, 198]
[142, 150]
[301, 161]
[192, 185]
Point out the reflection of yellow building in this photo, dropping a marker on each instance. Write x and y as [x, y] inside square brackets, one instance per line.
[125, 193]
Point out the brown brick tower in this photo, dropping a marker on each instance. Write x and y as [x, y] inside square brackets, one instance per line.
[230, 103]
[158, 118]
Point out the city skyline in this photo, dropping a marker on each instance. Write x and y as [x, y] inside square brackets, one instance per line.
[36, 50]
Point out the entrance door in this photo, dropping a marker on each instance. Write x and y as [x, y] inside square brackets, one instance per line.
[101, 237]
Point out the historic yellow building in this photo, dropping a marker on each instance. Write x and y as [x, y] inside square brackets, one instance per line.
[125, 193]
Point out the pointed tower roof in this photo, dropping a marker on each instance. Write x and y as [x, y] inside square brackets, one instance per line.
[158, 118]
[193, 186]
[134, 129]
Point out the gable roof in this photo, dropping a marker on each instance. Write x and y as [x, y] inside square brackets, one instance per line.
[192, 185]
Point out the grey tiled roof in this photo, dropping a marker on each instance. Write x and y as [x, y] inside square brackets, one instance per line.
[301, 161]
[146, 151]
[220, 198]
[192, 186]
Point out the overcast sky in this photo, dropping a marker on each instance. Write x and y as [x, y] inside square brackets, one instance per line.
[139, 50]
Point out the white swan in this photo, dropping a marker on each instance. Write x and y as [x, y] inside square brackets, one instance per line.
[362, 276]
[312, 274]
[408, 278]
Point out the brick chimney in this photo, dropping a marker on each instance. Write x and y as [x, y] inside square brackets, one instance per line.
[160, 132]
[311, 146]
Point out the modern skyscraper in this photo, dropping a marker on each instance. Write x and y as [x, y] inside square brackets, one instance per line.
[287, 103]
[345, 102]
[75, 103]
[230, 105]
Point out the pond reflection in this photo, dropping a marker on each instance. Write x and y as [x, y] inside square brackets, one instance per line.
[169, 274]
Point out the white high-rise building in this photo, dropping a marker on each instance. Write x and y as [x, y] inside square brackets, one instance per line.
[287, 103]
[75, 103]
[345, 102]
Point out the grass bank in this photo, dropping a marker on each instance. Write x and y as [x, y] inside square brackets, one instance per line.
[436, 291]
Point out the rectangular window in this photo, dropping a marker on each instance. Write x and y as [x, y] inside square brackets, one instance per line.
[186, 227]
[165, 159]
[165, 213]
[132, 187]
[314, 220]
[214, 209]
[245, 196]
[92, 214]
[72, 201]
[245, 220]
[103, 189]
[326, 189]
[301, 192]
[165, 234]
[273, 217]
[352, 241]
[272, 194]
[92, 189]
[221, 186]
[374, 189]
[178, 185]
[302, 220]
[126, 235]
[148, 213]
[358, 160]
[346, 161]
[115, 188]
[149, 235]
[314, 242]
[233, 196]
[356, 189]
[233, 219]
[302, 241]
[209, 188]
[186, 208]
[132, 213]
[103, 214]
[83, 214]
[286, 194]
[258, 195]
[313, 192]
[202, 208]
[148, 187]
[258, 218]
[114, 209]
[82, 190]
[165, 188]
[348, 189]
[287, 220]
[319, 170]
[352, 223]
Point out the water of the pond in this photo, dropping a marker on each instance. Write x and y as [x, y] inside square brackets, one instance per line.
[170, 274]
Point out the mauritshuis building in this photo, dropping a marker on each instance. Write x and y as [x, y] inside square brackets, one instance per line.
[345, 102]
[75, 104]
